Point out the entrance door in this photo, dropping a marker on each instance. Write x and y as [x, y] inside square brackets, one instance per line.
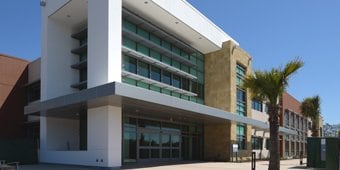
[155, 145]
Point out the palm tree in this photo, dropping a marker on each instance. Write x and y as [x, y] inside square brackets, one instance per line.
[310, 107]
[269, 85]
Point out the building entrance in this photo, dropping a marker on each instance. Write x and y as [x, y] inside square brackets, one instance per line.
[150, 140]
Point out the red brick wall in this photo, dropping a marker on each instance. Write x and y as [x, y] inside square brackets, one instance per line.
[290, 103]
[13, 77]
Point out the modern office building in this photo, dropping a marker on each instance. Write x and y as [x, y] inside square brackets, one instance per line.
[291, 146]
[138, 81]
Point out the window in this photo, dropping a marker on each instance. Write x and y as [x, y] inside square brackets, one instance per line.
[135, 66]
[33, 92]
[256, 105]
[292, 120]
[256, 142]
[130, 64]
[240, 136]
[293, 148]
[240, 73]
[166, 78]
[83, 74]
[155, 73]
[176, 81]
[241, 102]
[143, 69]
[200, 92]
[286, 118]
[241, 93]
[287, 148]
[185, 84]
[267, 144]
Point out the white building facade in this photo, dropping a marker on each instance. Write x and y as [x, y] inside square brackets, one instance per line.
[122, 81]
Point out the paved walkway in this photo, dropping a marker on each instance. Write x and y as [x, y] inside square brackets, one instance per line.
[260, 165]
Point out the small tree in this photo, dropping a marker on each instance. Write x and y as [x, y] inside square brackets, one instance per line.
[269, 85]
[310, 107]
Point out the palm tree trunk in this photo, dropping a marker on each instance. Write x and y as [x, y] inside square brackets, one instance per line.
[274, 160]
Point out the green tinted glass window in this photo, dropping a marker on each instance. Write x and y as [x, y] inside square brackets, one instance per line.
[143, 85]
[155, 73]
[185, 97]
[166, 45]
[165, 91]
[155, 88]
[200, 65]
[200, 77]
[176, 94]
[143, 33]
[129, 26]
[155, 39]
[129, 81]
[129, 43]
[176, 81]
[166, 60]
[154, 54]
[143, 69]
[176, 64]
[130, 64]
[184, 68]
[176, 50]
[166, 77]
[143, 49]
[193, 59]
[184, 55]
[193, 71]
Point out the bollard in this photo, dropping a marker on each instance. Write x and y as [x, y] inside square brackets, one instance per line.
[253, 161]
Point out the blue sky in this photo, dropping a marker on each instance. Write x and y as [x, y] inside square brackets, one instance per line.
[272, 32]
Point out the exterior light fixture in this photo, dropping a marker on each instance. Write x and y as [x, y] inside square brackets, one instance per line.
[42, 3]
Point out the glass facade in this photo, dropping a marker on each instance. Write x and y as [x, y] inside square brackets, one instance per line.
[151, 140]
[256, 105]
[286, 118]
[241, 106]
[241, 136]
[287, 148]
[33, 92]
[148, 70]
[256, 142]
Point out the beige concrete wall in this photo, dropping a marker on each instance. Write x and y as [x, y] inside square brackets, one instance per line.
[220, 92]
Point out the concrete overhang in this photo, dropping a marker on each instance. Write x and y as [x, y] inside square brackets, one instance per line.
[181, 19]
[71, 12]
[124, 95]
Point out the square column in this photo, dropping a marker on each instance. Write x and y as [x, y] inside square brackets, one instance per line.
[104, 42]
[105, 136]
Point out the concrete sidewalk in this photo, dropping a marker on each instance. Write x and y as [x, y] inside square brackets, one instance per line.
[260, 165]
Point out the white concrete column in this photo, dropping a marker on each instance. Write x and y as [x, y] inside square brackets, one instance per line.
[104, 41]
[105, 135]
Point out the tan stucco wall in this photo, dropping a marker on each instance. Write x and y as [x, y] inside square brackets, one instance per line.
[220, 92]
